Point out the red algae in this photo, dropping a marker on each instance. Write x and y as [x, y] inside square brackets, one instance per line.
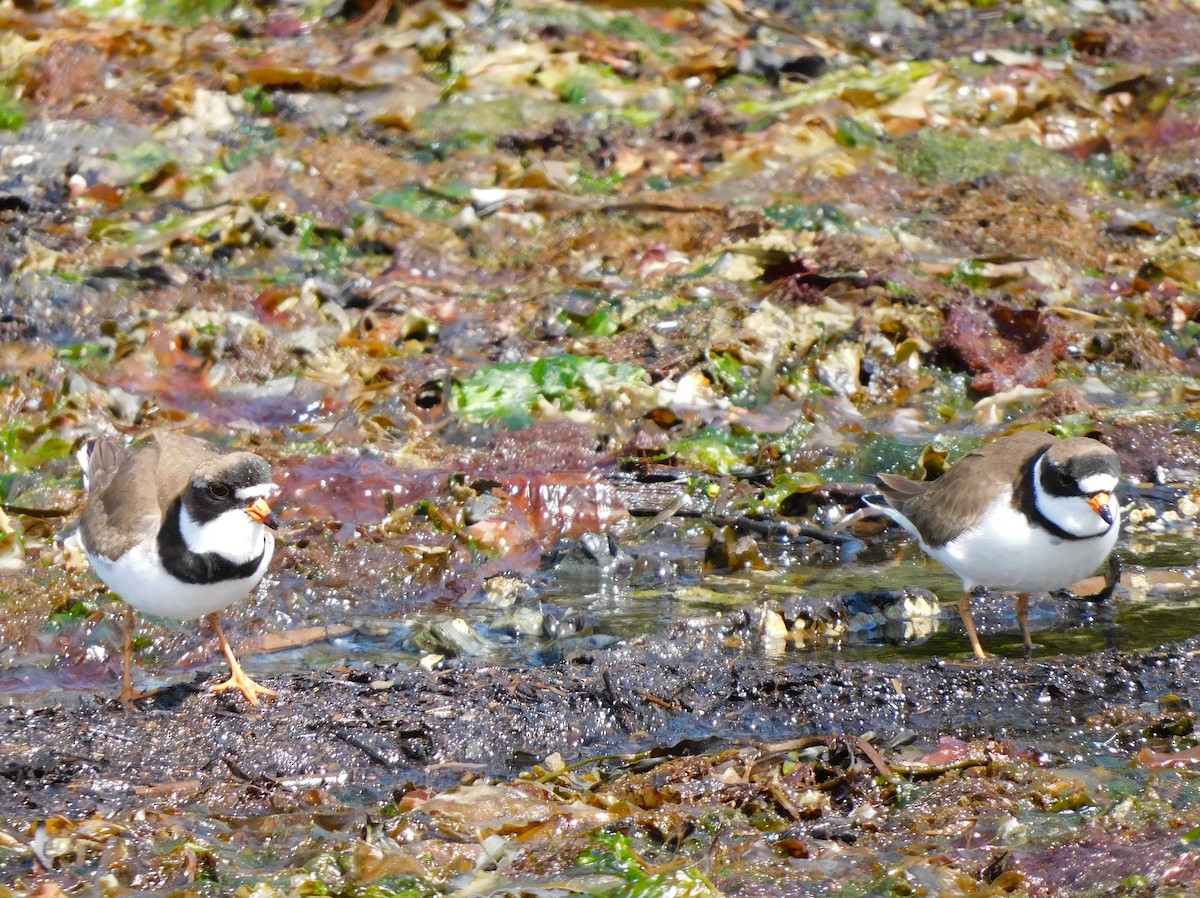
[565, 504]
[350, 489]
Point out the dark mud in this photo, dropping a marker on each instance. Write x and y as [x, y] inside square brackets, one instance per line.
[369, 733]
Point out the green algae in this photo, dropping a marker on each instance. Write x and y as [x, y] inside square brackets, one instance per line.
[512, 394]
[931, 157]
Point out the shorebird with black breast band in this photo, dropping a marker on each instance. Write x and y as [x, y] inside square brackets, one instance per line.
[177, 530]
[1027, 513]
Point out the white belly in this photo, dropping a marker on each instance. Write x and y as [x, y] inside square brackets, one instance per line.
[139, 579]
[1004, 553]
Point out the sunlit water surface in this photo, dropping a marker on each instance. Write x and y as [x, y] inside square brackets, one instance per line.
[572, 608]
[580, 611]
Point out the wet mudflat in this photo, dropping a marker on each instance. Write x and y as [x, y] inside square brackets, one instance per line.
[574, 333]
[409, 773]
[374, 729]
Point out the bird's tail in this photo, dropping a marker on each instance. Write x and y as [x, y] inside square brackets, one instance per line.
[99, 459]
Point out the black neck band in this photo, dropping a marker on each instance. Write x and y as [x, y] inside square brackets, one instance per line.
[1025, 499]
[197, 567]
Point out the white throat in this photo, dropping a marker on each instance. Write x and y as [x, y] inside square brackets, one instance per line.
[233, 535]
[1073, 513]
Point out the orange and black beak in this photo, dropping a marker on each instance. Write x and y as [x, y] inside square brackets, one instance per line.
[1099, 503]
[261, 512]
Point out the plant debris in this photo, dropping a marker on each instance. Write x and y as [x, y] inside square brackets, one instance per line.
[574, 334]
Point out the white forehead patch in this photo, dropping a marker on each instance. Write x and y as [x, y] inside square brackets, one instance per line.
[1097, 483]
[258, 491]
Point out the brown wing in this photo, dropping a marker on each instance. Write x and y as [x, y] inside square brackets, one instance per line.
[942, 509]
[122, 507]
[130, 491]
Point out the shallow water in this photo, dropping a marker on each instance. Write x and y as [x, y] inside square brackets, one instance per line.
[572, 608]
[583, 611]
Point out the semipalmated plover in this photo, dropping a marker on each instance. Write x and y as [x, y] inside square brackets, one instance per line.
[1027, 513]
[178, 531]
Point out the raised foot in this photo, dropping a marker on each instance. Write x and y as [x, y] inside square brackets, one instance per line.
[249, 688]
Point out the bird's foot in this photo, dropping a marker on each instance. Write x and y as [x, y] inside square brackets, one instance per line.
[240, 680]
[964, 611]
[128, 695]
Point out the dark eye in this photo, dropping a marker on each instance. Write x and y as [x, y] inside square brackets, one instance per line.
[218, 490]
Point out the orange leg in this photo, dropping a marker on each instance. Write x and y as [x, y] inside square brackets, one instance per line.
[238, 678]
[1023, 619]
[128, 695]
[964, 611]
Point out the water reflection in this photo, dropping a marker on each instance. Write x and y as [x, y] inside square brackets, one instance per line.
[825, 610]
[882, 605]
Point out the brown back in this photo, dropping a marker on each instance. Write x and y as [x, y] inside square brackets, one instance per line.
[131, 490]
[942, 509]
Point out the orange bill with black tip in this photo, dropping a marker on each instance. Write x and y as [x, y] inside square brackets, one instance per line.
[261, 512]
[1099, 503]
